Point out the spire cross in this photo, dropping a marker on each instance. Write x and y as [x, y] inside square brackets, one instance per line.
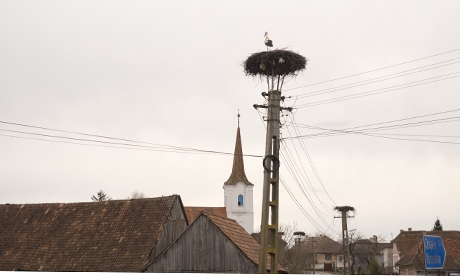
[239, 118]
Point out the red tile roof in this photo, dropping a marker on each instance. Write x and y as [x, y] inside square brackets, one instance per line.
[238, 174]
[242, 239]
[323, 245]
[415, 256]
[193, 212]
[406, 240]
[115, 235]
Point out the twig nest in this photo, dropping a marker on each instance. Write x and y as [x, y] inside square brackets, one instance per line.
[277, 62]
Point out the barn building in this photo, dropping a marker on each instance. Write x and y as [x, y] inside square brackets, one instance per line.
[137, 235]
[211, 244]
[108, 236]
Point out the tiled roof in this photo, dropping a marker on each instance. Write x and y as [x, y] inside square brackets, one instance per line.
[415, 256]
[238, 174]
[323, 245]
[410, 256]
[115, 235]
[242, 239]
[406, 240]
[193, 212]
[365, 246]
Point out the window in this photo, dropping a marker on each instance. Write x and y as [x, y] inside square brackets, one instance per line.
[328, 257]
[240, 200]
[340, 258]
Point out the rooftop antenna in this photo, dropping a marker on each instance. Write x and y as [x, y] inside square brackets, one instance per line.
[275, 66]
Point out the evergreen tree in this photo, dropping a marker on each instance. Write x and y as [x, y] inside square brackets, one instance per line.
[437, 225]
[101, 196]
[374, 266]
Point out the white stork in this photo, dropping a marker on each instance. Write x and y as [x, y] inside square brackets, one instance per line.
[268, 41]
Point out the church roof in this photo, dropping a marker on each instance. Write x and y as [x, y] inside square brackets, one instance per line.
[238, 174]
[193, 212]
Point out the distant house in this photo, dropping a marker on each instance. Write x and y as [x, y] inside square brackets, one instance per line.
[328, 253]
[363, 251]
[405, 248]
[211, 244]
[109, 236]
[413, 263]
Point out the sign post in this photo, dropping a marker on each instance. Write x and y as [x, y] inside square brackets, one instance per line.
[435, 253]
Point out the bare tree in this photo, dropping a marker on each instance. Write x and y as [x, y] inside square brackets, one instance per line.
[136, 195]
[291, 255]
[363, 253]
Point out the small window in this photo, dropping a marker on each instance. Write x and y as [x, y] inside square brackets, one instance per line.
[328, 257]
[240, 200]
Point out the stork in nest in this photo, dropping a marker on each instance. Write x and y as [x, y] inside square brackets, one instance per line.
[268, 42]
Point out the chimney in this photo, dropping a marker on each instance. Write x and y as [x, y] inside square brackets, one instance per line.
[409, 229]
[400, 231]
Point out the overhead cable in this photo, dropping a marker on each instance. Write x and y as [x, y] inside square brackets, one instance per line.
[375, 70]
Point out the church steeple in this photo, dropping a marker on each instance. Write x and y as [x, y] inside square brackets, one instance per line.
[238, 191]
[238, 174]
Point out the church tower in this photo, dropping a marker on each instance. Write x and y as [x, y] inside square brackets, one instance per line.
[238, 191]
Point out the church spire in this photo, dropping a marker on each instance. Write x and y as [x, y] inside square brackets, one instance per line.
[238, 174]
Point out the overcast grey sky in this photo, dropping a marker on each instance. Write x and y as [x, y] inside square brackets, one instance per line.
[169, 72]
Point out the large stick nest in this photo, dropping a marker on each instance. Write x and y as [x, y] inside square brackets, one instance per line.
[276, 62]
[344, 208]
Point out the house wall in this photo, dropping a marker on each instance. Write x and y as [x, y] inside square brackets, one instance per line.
[339, 263]
[203, 248]
[321, 260]
[407, 270]
[396, 257]
[387, 260]
[174, 226]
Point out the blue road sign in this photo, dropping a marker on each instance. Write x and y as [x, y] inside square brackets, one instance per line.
[435, 253]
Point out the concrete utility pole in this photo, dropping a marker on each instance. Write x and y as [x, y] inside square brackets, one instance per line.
[270, 196]
[274, 66]
[345, 242]
[313, 242]
[298, 242]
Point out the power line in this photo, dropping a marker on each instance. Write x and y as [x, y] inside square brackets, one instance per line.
[96, 145]
[311, 161]
[154, 146]
[290, 193]
[294, 171]
[361, 132]
[373, 92]
[302, 209]
[305, 151]
[374, 70]
[373, 80]
[331, 132]
[405, 119]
